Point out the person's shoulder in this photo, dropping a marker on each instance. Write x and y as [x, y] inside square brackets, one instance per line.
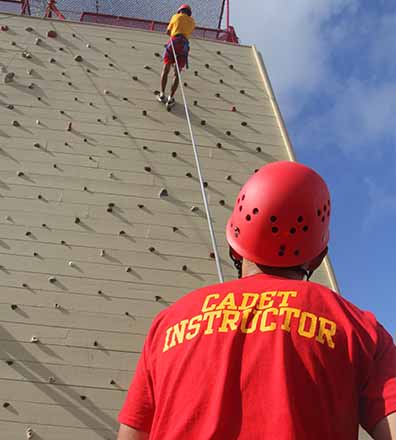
[174, 18]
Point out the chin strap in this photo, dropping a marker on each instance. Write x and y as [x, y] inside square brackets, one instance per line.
[237, 263]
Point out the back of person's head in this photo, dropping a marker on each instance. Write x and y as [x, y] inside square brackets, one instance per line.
[281, 219]
[185, 9]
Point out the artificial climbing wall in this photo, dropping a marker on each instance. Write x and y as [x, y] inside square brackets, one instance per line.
[102, 223]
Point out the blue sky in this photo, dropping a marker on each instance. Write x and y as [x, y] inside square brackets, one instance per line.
[333, 68]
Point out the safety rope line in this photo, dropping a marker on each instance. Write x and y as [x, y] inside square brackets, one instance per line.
[198, 165]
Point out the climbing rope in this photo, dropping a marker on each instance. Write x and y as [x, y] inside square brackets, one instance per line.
[198, 165]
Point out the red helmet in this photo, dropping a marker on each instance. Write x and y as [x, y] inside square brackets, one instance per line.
[281, 216]
[184, 6]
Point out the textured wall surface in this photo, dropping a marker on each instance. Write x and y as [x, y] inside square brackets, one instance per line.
[89, 251]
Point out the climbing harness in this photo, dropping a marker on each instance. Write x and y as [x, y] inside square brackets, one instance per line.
[181, 42]
[198, 165]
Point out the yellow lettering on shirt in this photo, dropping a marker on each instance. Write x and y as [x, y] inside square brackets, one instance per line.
[252, 312]
[307, 325]
[193, 327]
[208, 299]
[327, 329]
[289, 312]
[227, 303]
[230, 319]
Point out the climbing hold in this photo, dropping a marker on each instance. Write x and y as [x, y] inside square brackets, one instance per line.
[135, 78]
[9, 77]
[69, 126]
[175, 228]
[102, 253]
[126, 133]
[51, 379]
[229, 177]
[177, 133]
[55, 165]
[144, 112]
[99, 120]
[193, 208]
[52, 60]
[35, 254]
[218, 52]
[4, 28]
[36, 145]
[34, 339]
[109, 210]
[258, 149]
[31, 86]
[40, 197]
[233, 108]
[100, 292]
[29, 29]
[13, 43]
[26, 54]
[95, 343]
[212, 255]
[195, 102]
[184, 267]
[37, 41]
[88, 46]
[30, 71]
[174, 154]
[62, 241]
[140, 206]
[205, 184]
[125, 98]
[148, 169]
[188, 174]
[38, 122]
[128, 269]
[61, 49]
[110, 151]
[185, 84]
[6, 405]
[14, 306]
[157, 54]
[219, 145]
[112, 382]
[107, 38]
[121, 233]
[157, 298]
[207, 65]
[69, 83]
[228, 133]
[111, 64]
[15, 123]
[203, 122]
[106, 55]
[71, 264]
[78, 58]
[74, 35]
[217, 95]
[195, 72]
[52, 34]
[147, 67]
[152, 249]
[222, 202]
[163, 193]
[221, 81]
[144, 147]
[77, 220]
[242, 92]
[244, 123]
[85, 188]
[10, 107]
[114, 117]
[20, 173]
[76, 99]
[231, 66]
[83, 397]
[52, 280]
[29, 433]
[9, 362]
[111, 175]
[62, 112]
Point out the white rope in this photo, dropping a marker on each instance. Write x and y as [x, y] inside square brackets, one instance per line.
[198, 164]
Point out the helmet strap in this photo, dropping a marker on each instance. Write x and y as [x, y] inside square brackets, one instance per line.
[237, 263]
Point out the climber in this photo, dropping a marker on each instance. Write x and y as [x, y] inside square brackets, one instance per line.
[269, 355]
[179, 29]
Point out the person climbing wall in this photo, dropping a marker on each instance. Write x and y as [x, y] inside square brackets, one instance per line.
[180, 27]
[270, 355]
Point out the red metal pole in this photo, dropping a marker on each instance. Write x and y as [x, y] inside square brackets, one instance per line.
[228, 14]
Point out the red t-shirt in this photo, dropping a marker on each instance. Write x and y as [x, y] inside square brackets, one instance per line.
[262, 357]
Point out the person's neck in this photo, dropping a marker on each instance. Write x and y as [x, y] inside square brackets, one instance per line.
[249, 268]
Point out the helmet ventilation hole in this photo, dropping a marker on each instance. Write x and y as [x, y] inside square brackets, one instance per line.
[248, 218]
[323, 219]
[324, 208]
[255, 211]
[240, 208]
[305, 228]
[300, 219]
[296, 252]
[281, 253]
[293, 230]
[275, 229]
[243, 197]
[273, 218]
[319, 212]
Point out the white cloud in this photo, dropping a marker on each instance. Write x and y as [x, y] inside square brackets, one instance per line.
[289, 35]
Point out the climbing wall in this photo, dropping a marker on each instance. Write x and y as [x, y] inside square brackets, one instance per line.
[102, 223]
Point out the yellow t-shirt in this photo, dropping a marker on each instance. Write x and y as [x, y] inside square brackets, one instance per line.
[181, 24]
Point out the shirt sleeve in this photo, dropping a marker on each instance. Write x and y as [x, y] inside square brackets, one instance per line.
[139, 406]
[378, 396]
